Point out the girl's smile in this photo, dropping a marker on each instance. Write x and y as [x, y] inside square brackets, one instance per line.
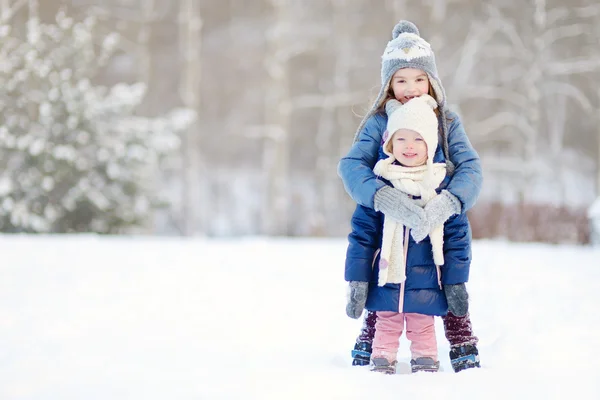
[408, 83]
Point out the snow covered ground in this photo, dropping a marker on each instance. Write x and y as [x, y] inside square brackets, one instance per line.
[83, 317]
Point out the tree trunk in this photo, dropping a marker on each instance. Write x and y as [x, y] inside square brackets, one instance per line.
[144, 51]
[533, 82]
[598, 156]
[277, 115]
[190, 40]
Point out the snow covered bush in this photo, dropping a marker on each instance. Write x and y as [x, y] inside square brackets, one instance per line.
[74, 157]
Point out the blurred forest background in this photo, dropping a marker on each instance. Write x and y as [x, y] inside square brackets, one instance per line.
[228, 117]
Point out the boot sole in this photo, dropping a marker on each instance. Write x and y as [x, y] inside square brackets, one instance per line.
[360, 361]
[425, 369]
[385, 370]
[465, 362]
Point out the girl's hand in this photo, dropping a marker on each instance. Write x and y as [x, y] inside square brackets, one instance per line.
[458, 299]
[395, 204]
[357, 298]
[437, 212]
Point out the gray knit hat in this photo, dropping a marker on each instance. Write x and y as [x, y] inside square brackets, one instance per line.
[408, 49]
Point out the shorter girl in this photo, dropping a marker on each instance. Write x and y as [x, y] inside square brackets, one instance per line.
[405, 286]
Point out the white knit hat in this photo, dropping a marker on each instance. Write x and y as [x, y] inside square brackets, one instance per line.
[418, 115]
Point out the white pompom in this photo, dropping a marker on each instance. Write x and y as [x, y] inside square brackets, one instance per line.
[431, 102]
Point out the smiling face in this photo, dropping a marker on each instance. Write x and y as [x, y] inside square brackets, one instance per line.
[407, 83]
[409, 148]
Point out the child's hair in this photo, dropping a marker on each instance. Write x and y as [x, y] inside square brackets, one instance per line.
[389, 95]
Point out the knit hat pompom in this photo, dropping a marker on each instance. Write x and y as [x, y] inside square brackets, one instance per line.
[404, 27]
[431, 102]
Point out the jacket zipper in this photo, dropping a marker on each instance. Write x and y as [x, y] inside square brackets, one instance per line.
[403, 284]
[375, 258]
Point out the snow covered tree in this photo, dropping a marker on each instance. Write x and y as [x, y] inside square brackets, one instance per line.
[74, 157]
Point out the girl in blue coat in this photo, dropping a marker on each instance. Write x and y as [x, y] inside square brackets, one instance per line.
[407, 52]
[405, 287]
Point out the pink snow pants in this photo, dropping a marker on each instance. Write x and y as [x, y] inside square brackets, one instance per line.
[420, 330]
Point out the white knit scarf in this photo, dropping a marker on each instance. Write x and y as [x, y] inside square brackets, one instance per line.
[415, 181]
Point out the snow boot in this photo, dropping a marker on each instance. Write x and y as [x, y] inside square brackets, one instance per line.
[361, 355]
[464, 357]
[424, 364]
[381, 364]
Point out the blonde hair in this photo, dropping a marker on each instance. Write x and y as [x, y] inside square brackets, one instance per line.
[389, 95]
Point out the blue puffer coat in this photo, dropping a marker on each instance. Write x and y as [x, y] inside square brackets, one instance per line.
[421, 291]
[356, 168]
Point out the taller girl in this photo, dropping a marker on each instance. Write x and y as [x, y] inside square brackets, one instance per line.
[408, 70]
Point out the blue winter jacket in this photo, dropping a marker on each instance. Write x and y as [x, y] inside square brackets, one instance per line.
[361, 183]
[421, 291]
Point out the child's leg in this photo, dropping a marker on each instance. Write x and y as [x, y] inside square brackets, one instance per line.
[458, 330]
[463, 343]
[388, 329]
[368, 329]
[420, 330]
[361, 354]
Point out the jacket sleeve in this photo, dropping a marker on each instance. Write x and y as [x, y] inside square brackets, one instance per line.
[467, 179]
[457, 250]
[356, 168]
[363, 242]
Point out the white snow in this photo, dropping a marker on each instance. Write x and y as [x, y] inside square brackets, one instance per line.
[88, 317]
[594, 210]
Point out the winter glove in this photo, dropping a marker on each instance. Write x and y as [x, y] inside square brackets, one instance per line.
[457, 298]
[437, 212]
[357, 297]
[395, 204]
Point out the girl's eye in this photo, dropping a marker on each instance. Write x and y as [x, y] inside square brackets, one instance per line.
[420, 79]
[419, 139]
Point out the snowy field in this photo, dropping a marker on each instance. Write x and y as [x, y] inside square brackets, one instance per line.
[86, 318]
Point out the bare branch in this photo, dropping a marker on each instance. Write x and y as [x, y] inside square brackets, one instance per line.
[325, 101]
[568, 90]
[270, 132]
[590, 11]
[496, 93]
[571, 67]
[469, 55]
[556, 14]
[562, 32]
[131, 15]
[504, 164]
[502, 24]
[503, 120]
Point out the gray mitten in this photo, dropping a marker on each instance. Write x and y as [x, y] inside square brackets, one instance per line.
[357, 297]
[437, 212]
[457, 298]
[421, 231]
[396, 205]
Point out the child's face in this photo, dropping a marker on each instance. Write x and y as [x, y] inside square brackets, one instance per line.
[409, 148]
[408, 83]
